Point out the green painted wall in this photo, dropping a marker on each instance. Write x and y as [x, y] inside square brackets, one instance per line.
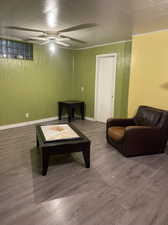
[84, 75]
[34, 86]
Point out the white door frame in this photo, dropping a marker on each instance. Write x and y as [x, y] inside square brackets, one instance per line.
[96, 80]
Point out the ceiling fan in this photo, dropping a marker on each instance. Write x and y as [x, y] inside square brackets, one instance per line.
[56, 37]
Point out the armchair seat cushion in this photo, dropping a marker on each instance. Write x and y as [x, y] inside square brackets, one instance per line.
[116, 133]
[136, 127]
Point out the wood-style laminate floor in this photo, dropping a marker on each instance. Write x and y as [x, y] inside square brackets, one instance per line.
[114, 191]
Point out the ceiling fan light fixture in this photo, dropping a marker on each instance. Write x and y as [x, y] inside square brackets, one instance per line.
[51, 38]
[52, 47]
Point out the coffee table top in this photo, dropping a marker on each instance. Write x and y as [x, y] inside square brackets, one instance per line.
[79, 138]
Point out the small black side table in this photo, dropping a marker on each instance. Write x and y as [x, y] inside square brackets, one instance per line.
[70, 107]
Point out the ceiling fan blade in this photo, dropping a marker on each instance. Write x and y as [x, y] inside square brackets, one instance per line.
[14, 38]
[24, 29]
[62, 43]
[44, 42]
[78, 27]
[38, 41]
[30, 40]
[38, 38]
[42, 36]
[73, 39]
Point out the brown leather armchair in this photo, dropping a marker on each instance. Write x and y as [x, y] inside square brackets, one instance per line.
[144, 134]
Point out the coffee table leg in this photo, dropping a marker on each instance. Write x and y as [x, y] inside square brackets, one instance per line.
[44, 162]
[86, 156]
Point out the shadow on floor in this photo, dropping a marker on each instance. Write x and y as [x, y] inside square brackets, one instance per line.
[55, 160]
[67, 176]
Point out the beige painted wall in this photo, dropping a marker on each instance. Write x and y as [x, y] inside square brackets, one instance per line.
[149, 71]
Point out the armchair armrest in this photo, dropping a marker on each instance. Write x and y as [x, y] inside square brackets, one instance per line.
[146, 131]
[120, 122]
[143, 140]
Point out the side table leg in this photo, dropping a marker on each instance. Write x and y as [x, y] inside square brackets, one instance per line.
[37, 142]
[69, 114]
[73, 113]
[82, 109]
[86, 156]
[60, 108]
[44, 162]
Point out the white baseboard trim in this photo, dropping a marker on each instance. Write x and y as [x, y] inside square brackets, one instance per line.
[4, 127]
[86, 118]
[89, 118]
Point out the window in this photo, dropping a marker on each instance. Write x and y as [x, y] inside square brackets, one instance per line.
[16, 49]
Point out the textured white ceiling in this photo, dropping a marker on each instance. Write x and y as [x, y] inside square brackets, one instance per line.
[117, 19]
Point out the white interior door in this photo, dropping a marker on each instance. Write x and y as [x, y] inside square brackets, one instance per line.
[105, 87]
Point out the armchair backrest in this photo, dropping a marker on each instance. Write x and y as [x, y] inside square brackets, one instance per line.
[149, 116]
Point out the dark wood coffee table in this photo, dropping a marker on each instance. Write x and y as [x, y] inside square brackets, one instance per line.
[62, 146]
